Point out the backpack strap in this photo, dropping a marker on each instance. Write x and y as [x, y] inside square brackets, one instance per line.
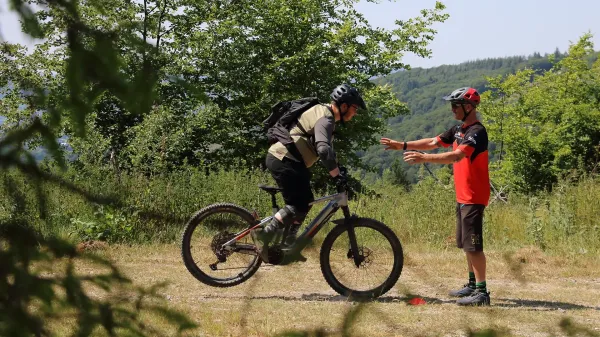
[293, 150]
[302, 129]
[299, 125]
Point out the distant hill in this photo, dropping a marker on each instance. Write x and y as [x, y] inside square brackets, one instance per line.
[423, 89]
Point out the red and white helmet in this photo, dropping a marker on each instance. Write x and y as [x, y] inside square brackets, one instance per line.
[464, 95]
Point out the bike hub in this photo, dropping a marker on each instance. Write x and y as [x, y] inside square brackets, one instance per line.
[217, 246]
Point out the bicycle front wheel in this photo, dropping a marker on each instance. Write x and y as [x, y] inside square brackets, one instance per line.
[202, 241]
[381, 258]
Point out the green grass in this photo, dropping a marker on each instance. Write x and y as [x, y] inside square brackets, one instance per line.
[541, 250]
[155, 209]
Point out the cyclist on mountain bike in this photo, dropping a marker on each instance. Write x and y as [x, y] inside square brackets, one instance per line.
[471, 180]
[292, 174]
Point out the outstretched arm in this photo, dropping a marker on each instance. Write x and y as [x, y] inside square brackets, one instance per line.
[421, 144]
[412, 157]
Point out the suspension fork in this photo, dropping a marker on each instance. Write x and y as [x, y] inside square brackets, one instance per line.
[358, 258]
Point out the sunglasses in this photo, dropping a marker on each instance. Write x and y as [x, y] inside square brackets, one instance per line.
[455, 105]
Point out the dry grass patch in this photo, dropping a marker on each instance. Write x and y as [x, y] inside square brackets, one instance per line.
[526, 301]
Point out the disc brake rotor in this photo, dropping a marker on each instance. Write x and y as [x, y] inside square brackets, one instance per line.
[366, 254]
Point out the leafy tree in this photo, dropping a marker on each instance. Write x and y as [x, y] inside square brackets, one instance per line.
[396, 175]
[39, 285]
[546, 124]
[255, 53]
[190, 56]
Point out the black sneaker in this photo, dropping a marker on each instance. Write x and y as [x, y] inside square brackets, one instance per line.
[261, 240]
[293, 256]
[478, 297]
[466, 291]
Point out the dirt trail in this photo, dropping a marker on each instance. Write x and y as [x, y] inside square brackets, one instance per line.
[529, 295]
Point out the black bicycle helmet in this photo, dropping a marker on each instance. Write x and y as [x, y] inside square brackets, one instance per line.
[346, 94]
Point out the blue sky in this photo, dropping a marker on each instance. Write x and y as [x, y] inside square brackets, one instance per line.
[476, 29]
[480, 29]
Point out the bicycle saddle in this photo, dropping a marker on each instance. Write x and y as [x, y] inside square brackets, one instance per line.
[270, 189]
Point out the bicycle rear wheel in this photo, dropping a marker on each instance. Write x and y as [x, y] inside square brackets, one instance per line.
[382, 263]
[201, 243]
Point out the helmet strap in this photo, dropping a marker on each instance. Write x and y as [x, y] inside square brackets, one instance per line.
[465, 112]
[342, 114]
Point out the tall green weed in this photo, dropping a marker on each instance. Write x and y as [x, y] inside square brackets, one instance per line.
[155, 209]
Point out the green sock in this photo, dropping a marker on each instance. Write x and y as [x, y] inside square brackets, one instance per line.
[481, 286]
[471, 280]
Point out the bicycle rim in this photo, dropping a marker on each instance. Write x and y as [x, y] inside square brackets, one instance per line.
[205, 233]
[382, 265]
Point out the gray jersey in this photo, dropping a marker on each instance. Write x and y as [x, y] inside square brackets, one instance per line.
[317, 143]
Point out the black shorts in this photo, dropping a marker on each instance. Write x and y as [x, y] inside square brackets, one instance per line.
[469, 227]
[294, 178]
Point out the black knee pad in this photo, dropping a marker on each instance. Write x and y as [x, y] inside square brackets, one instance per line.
[287, 214]
[290, 214]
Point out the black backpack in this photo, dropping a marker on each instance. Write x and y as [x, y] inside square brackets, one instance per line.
[284, 116]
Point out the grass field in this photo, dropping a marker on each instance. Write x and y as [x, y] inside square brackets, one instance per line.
[531, 292]
[543, 258]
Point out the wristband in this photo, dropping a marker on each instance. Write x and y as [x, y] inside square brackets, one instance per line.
[404, 147]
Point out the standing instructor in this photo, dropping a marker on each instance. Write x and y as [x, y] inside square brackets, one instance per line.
[469, 157]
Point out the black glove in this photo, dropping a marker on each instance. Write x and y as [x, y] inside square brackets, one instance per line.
[341, 180]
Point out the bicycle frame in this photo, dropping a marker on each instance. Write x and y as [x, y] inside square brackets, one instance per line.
[335, 202]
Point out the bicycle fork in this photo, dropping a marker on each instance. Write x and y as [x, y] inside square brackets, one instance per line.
[354, 251]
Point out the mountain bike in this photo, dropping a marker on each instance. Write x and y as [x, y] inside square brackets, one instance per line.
[360, 258]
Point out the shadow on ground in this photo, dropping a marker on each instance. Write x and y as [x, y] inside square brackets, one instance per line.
[500, 302]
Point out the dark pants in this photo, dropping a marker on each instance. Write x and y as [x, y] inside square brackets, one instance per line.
[294, 178]
[469, 227]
